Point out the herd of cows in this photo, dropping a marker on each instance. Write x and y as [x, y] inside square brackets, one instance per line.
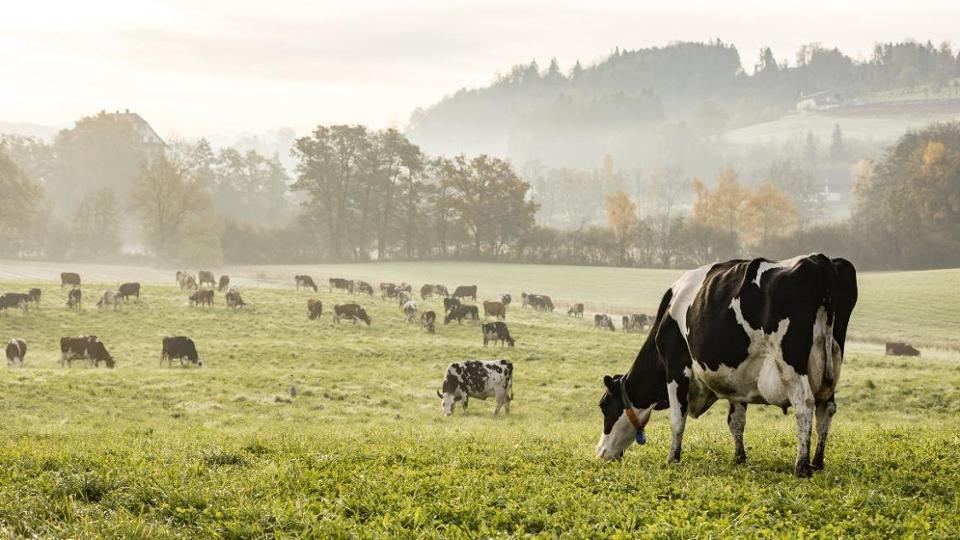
[746, 331]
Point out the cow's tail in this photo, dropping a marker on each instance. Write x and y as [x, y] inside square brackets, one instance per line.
[830, 286]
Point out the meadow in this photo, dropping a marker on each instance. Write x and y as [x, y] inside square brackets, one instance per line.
[363, 451]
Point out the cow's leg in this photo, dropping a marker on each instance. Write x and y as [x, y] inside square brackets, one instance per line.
[500, 398]
[801, 397]
[466, 400]
[677, 392]
[736, 420]
[825, 410]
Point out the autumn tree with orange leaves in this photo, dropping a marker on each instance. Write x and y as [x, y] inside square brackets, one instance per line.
[754, 215]
[622, 216]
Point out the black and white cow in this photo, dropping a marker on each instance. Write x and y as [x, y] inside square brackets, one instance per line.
[496, 331]
[477, 379]
[179, 348]
[16, 351]
[759, 331]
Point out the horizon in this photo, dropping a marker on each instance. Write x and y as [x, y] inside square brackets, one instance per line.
[332, 66]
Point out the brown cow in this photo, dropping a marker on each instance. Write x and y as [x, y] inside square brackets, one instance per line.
[426, 291]
[495, 309]
[206, 276]
[429, 321]
[233, 298]
[69, 278]
[576, 310]
[351, 311]
[314, 309]
[224, 283]
[897, 348]
[201, 297]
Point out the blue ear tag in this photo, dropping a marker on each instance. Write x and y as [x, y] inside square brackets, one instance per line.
[641, 438]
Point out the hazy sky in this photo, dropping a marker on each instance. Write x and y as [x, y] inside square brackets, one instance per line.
[227, 66]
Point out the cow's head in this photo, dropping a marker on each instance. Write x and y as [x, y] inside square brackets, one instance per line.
[619, 430]
[453, 391]
[362, 315]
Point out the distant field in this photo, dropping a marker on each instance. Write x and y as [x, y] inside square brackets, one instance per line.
[362, 450]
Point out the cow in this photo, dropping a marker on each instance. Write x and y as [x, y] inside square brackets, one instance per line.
[108, 298]
[9, 300]
[638, 321]
[233, 298]
[477, 379]
[428, 320]
[364, 288]
[186, 281]
[179, 348]
[496, 331]
[404, 286]
[34, 296]
[494, 309]
[625, 323]
[224, 283]
[576, 310]
[450, 303]
[441, 290]
[206, 277]
[462, 312]
[748, 331]
[340, 284]
[69, 278]
[402, 298]
[505, 298]
[465, 291]
[410, 311]
[129, 289]
[538, 302]
[201, 297]
[16, 352]
[305, 281]
[314, 309]
[388, 290]
[73, 299]
[603, 321]
[88, 348]
[354, 312]
[897, 348]
[427, 291]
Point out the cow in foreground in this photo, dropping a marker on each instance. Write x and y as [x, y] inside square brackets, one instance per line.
[305, 282]
[428, 321]
[354, 312]
[88, 348]
[179, 348]
[462, 312]
[16, 351]
[496, 331]
[129, 289]
[69, 278]
[477, 379]
[465, 291]
[757, 331]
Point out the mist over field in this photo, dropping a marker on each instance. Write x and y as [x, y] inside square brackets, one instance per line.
[250, 256]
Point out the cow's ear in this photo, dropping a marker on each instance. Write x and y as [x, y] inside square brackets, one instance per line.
[608, 382]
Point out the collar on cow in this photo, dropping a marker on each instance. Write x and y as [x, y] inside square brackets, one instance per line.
[628, 409]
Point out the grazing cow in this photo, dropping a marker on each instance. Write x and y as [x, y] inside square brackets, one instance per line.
[186, 281]
[34, 296]
[757, 331]
[450, 303]
[462, 312]
[410, 311]
[404, 286]
[388, 290]
[603, 321]
[205, 277]
[16, 351]
[201, 297]
[428, 320]
[466, 291]
[179, 348]
[542, 302]
[108, 298]
[364, 288]
[576, 310]
[402, 298]
[354, 312]
[506, 299]
[233, 298]
[305, 282]
[625, 323]
[69, 278]
[314, 309]
[494, 309]
[441, 290]
[180, 274]
[129, 289]
[10, 300]
[340, 284]
[84, 348]
[496, 331]
[477, 379]
[224, 283]
[426, 291]
[639, 320]
[897, 348]
[73, 299]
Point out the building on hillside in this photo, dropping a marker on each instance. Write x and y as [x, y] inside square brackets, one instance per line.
[818, 101]
[148, 137]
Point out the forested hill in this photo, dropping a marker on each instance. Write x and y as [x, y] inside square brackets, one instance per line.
[648, 105]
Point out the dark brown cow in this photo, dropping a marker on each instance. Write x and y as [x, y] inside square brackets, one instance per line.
[202, 297]
[34, 296]
[898, 348]
[224, 283]
[305, 281]
[462, 312]
[427, 291]
[466, 291]
[233, 298]
[576, 310]
[16, 351]
[73, 299]
[69, 278]
[351, 311]
[9, 300]
[341, 284]
[314, 309]
[389, 290]
[205, 277]
[129, 289]
[428, 320]
[494, 309]
[84, 348]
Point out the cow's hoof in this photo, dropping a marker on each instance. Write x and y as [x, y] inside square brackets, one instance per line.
[740, 459]
[803, 470]
[817, 464]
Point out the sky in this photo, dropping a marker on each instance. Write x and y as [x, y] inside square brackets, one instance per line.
[219, 67]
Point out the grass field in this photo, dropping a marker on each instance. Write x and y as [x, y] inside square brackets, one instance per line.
[362, 450]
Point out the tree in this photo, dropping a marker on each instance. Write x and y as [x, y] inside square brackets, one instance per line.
[18, 203]
[622, 217]
[169, 205]
[768, 212]
[837, 149]
[723, 207]
[96, 224]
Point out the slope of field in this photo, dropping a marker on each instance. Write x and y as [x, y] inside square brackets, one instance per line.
[362, 450]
